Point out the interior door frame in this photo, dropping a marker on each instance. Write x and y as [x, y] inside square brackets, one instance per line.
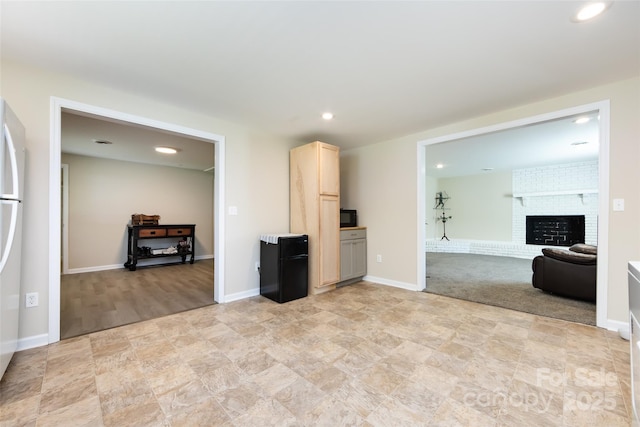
[57, 106]
[603, 107]
[64, 223]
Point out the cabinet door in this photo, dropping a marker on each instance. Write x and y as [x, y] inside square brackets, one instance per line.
[359, 253]
[346, 260]
[329, 169]
[329, 240]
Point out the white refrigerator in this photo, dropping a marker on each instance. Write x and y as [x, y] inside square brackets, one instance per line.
[12, 154]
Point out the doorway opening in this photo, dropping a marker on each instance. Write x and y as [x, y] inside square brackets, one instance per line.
[58, 106]
[601, 109]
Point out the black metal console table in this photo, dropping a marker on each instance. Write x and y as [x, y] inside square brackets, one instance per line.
[183, 236]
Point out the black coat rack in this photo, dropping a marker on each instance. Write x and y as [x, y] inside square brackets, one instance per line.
[441, 199]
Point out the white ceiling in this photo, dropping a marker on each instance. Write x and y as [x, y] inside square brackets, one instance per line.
[553, 142]
[132, 143]
[385, 69]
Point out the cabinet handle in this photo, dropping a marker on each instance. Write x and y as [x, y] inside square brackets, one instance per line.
[152, 232]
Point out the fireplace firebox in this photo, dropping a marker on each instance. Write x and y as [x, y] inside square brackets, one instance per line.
[555, 230]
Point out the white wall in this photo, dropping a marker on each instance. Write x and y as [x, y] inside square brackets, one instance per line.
[381, 183]
[480, 207]
[103, 194]
[387, 177]
[257, 176]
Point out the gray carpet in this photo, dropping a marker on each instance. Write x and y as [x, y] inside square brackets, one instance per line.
[502, 282]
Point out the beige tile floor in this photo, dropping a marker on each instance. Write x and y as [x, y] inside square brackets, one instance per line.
[365, 355]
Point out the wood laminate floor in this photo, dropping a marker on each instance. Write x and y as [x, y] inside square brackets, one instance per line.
[95, 301]
[363, 355]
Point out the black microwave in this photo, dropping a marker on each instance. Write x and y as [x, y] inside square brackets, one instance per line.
[348, 218]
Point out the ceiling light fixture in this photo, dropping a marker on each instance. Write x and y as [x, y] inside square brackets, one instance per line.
[591, 10]
[439, 166]
[579, 143]
[487, 169]
[327, 116]
[166, 150]
[581, 120]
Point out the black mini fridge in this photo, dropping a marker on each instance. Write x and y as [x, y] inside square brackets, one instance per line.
[284, 271]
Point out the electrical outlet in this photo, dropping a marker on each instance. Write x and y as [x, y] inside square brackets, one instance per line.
[378, 258]
[31, 299]
[257, 265]
[618, 205]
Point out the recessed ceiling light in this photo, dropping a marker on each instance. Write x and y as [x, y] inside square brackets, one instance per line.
[591, 10]
[327, 116]
[439, 166]
[581, 120]
[487, 169]
[166, 150]
[579, 143]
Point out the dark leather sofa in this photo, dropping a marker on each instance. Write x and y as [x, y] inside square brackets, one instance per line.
[568, 273]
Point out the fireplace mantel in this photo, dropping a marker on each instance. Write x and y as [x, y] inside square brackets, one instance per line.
[580, 193]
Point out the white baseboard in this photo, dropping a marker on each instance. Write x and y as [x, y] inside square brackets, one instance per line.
[141, 263]
[94, 269]
[621, 327]
[394, 283]
[242, 295]
[255, 292]
[33, 342]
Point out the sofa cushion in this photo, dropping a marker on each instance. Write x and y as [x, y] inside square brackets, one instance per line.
[584, 249]
[570, 256]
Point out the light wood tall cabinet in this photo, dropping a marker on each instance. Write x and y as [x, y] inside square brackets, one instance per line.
[315, 209]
